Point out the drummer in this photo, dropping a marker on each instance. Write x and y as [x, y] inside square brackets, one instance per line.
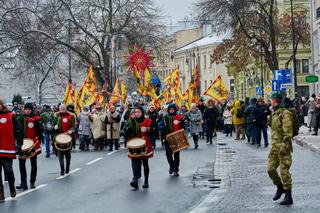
[64, 123]
[141, 127]
[32, 129]
[9, 132]
[173, 122]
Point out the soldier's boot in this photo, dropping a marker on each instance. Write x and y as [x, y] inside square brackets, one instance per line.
[1, 193]
[279, 192]
[288, 198]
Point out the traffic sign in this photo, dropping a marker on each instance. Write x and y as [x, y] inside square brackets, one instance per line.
[312, 79]
[283, 76]
[268, 89]
[276, 86]
[259, 90]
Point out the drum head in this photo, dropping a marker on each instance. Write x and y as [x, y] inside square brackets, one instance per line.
[63, 138]
[27, 144]
[136, 143]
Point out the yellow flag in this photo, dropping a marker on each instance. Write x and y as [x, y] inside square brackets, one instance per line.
[178, 98]
[115, 94]
[68, 99]
[147, 78]
[123, 92]
[87, 92]
[139, 81]
[218, 90]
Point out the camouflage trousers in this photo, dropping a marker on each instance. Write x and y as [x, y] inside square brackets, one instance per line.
[275, 160]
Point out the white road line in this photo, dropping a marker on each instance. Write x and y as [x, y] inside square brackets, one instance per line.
[110, 153]
[27, 192]
[91, 162]
[64, 176]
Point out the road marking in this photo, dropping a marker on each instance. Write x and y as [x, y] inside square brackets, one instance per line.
[110, 153]
[27, 192]
[64, 176]
[91, 162]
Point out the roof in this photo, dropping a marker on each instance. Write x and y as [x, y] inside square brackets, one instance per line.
[208, 40]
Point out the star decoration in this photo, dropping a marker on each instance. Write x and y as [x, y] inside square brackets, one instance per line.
[139, 59]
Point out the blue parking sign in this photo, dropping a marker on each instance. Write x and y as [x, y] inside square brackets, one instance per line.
[276, 86]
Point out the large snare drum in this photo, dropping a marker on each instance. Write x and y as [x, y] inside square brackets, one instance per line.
[178, 141]
[27, 149]
[137, 147]
[63, 142]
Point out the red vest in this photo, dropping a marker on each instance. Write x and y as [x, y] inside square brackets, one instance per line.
[7, 140]
[65, 123]
[31, 131]
[176, 122]
[144, 133]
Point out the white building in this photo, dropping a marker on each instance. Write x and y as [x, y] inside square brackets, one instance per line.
[199, 52]
[315, 40]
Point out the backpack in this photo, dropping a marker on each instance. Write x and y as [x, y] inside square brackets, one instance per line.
[295, 123]
[48, 125]
[240, 113]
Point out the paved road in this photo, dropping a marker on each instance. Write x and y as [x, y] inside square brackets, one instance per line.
[246, 187]
[100, 183]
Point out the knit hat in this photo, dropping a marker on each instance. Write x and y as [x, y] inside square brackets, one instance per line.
[140, 108]
[276, 96]
[172, 106]
[28, 106]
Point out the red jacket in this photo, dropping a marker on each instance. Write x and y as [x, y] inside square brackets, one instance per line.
[31, 131]
[7, 140]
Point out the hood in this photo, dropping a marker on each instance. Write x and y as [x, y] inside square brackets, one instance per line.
[237, 104]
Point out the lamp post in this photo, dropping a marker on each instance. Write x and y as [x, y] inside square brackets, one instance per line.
[69, 50]
[294, 54]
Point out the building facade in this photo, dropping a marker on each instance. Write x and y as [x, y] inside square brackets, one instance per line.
[315, 40]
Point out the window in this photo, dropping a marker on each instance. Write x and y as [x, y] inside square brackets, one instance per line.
[318, 12]
[204, 61]
[232, 85]
[303, 91]
[305, 66]
[298, 65]
[205, 85]
[210, 62]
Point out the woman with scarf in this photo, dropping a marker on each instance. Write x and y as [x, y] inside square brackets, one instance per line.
[195, 118]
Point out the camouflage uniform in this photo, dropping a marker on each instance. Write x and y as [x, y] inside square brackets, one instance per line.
[280, 152]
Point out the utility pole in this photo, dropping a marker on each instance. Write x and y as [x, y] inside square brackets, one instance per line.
[294, 54]
[69, 50]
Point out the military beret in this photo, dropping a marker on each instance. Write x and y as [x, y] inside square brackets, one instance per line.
[276, 96]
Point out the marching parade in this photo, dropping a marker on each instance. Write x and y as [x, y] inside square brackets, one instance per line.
[215, 112]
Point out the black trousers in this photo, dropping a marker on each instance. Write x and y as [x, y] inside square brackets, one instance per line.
[195, 138]
[23, 170]
[173, 158]
[67, 155]
[136, 168]
[6, 164]
[114, 142]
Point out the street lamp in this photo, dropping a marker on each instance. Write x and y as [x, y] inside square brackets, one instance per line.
[294, 54]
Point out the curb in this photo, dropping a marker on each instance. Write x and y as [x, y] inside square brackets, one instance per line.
[301, 142]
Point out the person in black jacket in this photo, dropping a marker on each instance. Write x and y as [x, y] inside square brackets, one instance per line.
[250, 114]
[210, 116]
[262, 117]
[201, 107]
[153, 115]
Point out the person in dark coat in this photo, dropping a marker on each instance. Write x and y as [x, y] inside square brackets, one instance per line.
[202, 108]
[251, 121]
[210, 117]
[262, 121]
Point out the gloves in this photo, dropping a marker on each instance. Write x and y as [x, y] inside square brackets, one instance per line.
[56, 127]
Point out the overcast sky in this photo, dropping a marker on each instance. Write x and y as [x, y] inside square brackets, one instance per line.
[177, 9]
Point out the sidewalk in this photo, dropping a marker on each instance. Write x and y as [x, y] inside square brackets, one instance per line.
[307, 140]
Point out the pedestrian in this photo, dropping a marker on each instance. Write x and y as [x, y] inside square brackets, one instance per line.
[84, 129]
[153, 115]
[64, 123]
[227, 120]
[9, 132]
[47, 121]
[97, 120]
[140, 127]
[201, 106]
[32, 128]
[210, 117]
[183, 111]
[250, 114]
[161, 125]
[262, 121]
[280, 152]
[311, 103]
[112, 122]
[317, 124]
[172, 123]
[238, 119]
[194, 116]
